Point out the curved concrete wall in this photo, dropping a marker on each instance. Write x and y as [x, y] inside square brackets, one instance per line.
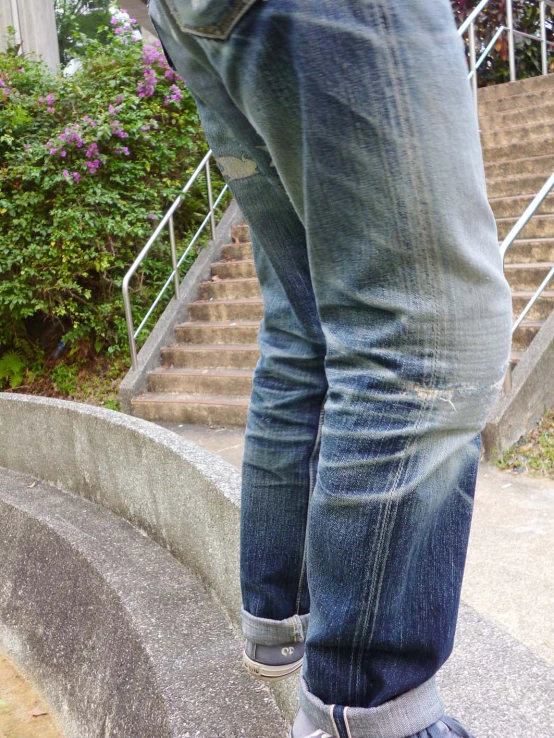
[180, 495]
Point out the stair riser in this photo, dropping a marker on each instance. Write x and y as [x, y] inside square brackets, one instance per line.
[239, 270]
[525, 279]
[521, 150]
[519, 102]
[220, 334]
[236, 252]
[232, 312]
[497, 121]
[229, 290]
[240, 233]
[542, 167]
[530, 252]
[514, 208]
[201, 385]
[211, 415]
[523, 336]
[536, 133]
[540, 310]
[520, 185]
[538, 227]
[209, 359]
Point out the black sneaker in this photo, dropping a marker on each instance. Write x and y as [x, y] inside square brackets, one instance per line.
[272, 662]
[446, 727]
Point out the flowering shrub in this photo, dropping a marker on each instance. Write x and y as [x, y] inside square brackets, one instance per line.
[88, 164]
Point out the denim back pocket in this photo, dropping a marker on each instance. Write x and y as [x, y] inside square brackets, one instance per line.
[209, 18]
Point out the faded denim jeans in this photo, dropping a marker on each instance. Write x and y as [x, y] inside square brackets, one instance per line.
[347, 133]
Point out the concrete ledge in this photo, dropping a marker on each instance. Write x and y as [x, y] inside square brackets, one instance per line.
[532, 394]
[120, 639]
[134, 382]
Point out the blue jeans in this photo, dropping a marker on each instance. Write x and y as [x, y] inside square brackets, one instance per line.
[348, 136]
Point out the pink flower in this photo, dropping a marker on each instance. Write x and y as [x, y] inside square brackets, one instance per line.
[132, 20]
[53, 151]
[151, 216]
[50, 98]
[49, 110]
[27, 146]
[76, 176]
[119, 30]
[65, 173]
[63, 153]
[114, 21]
[118, 99]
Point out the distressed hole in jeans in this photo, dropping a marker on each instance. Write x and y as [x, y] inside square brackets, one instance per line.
[234, 168]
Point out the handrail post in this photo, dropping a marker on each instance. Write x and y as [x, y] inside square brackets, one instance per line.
[473, 66]
[544, 45]
[210, 198]
[174, 257]
[129, 321]
[511, 44]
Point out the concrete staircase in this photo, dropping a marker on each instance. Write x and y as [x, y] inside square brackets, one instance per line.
[205, 378]
[517, 131]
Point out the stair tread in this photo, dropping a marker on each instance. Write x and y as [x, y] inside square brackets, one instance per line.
[518, 158]
[515, 218]
[537, 239]
[189, 399]
[231, 280]
[509, 198]
[530, 265]
[232, 261]
[530, 293]
[247, 300]
[212, 347]
[532, 323]
[528, 94]
[219, 324]
[187, 372]
[527, 127]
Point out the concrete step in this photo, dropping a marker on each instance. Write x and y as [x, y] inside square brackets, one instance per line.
[234, 270]
[526, 276]
[540, 226]
[540, 310]
[521, 184]
[511, 135]
[217, 411]
[236, 252]
[206, 332]
[525, 333]
[222, 310]
[498, 121]
[205, 356]
[513, 207]
[526, 148]
[521, 101]
[521, 86]
[530, 250]
[230, 289]
[542, 166]
[240, 233]
[228, 382]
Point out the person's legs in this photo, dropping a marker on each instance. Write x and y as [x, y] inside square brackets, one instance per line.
[365, 110]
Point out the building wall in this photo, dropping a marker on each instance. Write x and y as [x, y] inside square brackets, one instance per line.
[37, 25]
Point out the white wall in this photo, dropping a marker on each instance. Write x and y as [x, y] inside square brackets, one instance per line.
[36, 23]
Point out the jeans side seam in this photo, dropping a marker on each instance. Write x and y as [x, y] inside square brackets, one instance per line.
[311, 490]
[345, 715]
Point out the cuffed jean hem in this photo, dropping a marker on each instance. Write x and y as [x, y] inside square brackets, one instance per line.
[399, 718]
[265, 632]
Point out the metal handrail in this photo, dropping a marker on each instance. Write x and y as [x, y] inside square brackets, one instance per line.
[174, 276]
[514, 233]
[469, 26]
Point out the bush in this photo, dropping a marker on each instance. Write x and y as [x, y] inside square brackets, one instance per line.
[528, 53]
[88, 164]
